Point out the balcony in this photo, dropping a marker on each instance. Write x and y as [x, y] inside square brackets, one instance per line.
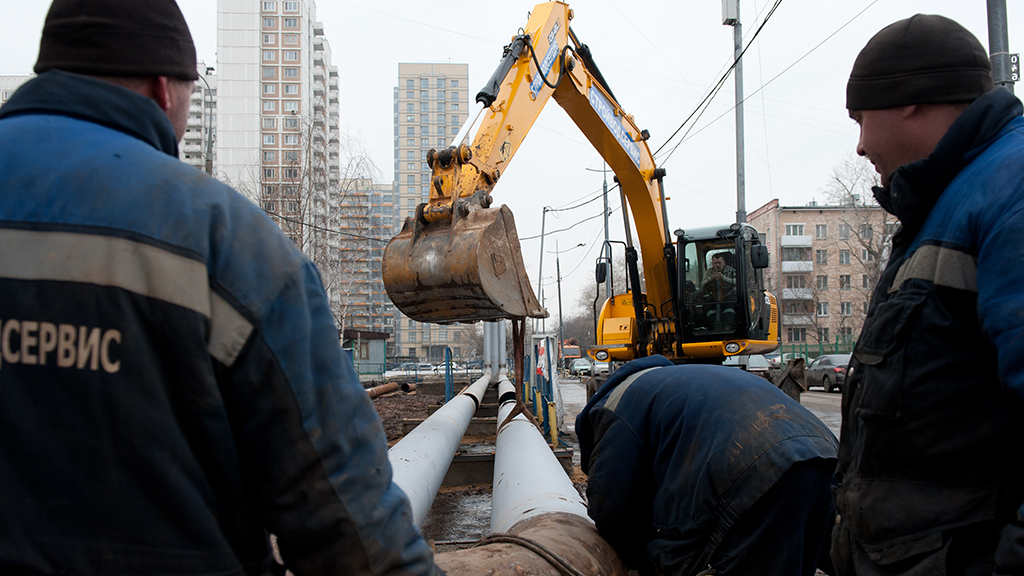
[797, 320]
[797, 267]
[788, 241]
[797, 294]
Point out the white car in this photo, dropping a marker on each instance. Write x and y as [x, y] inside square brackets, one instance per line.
[410, 370]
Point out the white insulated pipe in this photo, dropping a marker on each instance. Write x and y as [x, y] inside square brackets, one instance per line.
[528, 480]
[420, 460]
[503, 349]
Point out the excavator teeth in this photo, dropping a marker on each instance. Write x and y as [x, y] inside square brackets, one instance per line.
[464, 270]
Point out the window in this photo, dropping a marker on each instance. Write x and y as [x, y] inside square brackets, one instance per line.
[822, 309]
[822, 282]
[291, 22]
[410, 165]
[410, 155]
[269, 55]
[890, 228]
[269, 172]
[846, 334]
[846, 308]
[291, 39]
[410, 179]
[821, 256]
[269, 22]
[291, 56]
[844, 231]
[455, 120]
[291, 106]
[269, 6]
[268, 38]
[844, 282]
[409, 85]
[424, 83]
[410, 131]
[426, 336]
[442, 336]
[291, 72]
[270, 88]
[268, 72]
[291, 173]
[823, 335]
[455, 107]
[424, 118]
[410, 142]
[268, 138]
[270, 122]
[866, 255]
[455, 83]
[441, 141]
[794, 229]
[865, 283]
[455, 96]
[821, 231]
[269, 205]
[455, 130]
[291, 122]
[291, 156]
[424, 106]
[269, 156]
[410, 118]
[291, 138]
[291, 206]
[291, 6]
[291, 88]
[440, 118]
[440, 94]
[440, 82]
[865, 231]
[269, 105]
[844, 256]
[796, 254]
[440, 106]
[424, 142]
[796, 282]
[797, 334]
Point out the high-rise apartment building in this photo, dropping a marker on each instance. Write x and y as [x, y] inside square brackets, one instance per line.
[277, 104]
[431, 104]
[8, 85]
[825, 263]
[365, 226]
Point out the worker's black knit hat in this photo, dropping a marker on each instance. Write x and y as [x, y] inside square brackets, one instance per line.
[117, 38]
[924, 59]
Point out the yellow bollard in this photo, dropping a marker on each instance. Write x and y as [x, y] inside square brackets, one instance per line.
[553, 419]
[540, 407]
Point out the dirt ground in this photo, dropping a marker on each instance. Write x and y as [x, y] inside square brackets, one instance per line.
[397, 406]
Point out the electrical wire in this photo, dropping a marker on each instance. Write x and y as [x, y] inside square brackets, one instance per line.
[322, 229]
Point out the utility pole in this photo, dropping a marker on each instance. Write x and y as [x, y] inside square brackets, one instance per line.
[558, 274]
[606, 248]
[208, 114]
[1005, 66]
[731, 17]
[540, 266]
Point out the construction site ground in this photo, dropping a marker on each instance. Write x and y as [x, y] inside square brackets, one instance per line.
[461, 515]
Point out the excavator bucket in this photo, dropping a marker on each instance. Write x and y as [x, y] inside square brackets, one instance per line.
[460, 270]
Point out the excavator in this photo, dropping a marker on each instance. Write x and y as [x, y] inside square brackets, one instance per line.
[458, 259]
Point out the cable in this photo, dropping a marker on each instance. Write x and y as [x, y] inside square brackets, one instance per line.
[555, 560]
[322, 229]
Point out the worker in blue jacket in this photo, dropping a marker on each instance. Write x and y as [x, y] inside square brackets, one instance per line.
[706, 469]
[172, 389]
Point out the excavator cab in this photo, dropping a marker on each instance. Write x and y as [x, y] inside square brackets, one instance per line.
[722, 296]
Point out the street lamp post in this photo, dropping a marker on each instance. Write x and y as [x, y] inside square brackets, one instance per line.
[208, 112]
[558, 275]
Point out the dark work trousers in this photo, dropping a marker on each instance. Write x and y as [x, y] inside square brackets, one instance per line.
[787, 531]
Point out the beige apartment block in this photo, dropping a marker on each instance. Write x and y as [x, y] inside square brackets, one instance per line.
[825, 263]
[432, 101]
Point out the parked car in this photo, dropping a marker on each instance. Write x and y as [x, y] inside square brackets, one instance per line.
[754, 363]
[581, 367]
[410, 370]
[828, 371]
[601, 368]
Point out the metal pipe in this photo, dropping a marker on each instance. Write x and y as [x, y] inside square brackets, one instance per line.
[408, 386]
[382, 389]
[522, 492]
[503, 347]
[487, 347]
[420, 460]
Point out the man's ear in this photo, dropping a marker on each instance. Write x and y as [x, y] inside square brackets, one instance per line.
[906, 113]
[160, 93]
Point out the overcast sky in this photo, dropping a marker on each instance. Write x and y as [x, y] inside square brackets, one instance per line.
[660, 58]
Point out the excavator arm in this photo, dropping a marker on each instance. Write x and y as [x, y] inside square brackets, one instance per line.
[458, 259]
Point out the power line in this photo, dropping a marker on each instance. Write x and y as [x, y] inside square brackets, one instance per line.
[322, 229]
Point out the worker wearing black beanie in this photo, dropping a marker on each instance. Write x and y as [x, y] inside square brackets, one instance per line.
[117, 38]
[930, 476]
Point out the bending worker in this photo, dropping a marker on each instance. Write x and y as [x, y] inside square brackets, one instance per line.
[172, 388]
[693, 468]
